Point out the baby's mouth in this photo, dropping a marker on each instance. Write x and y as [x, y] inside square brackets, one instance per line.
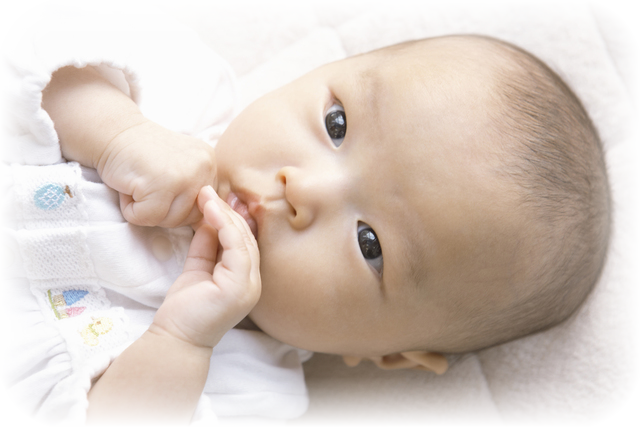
[241, 208]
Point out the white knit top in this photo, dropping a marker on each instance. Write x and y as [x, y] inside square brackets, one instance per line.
[84, 284]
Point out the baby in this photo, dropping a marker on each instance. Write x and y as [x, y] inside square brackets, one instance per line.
[442, 195]
[437, 196]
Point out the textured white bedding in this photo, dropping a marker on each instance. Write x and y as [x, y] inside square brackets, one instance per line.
[581, 371]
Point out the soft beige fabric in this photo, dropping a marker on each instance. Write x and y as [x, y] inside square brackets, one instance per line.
[582, 370]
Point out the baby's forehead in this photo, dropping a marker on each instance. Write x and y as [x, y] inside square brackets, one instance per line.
[426, 84]
[465, 45]
[458, 55]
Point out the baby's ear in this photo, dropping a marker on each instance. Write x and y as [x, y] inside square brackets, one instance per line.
[426, 360]
[422, 360]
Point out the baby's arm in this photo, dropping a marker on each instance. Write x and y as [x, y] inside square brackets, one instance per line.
[161, 376]
[88, 112]
[157, 172]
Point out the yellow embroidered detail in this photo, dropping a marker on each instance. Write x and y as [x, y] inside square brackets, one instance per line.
[100, 326]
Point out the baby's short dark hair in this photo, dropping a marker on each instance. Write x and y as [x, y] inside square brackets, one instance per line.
[550, 156]
[554, 156]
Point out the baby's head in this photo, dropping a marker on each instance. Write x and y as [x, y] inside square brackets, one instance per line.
[441, 195]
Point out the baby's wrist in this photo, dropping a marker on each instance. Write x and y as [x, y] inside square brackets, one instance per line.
[160, 335]
[113, 140]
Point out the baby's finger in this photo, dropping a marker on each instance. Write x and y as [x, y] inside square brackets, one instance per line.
[254, 282]
[247, 235]
[194, 216]
[247, 274]
[207, 193]
[203, 250]
[237, 219]
[125, 202]
[145, 212]
[235, 255]
[183, 211]
[201, 259]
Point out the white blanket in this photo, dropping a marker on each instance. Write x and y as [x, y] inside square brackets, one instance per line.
[583, 370]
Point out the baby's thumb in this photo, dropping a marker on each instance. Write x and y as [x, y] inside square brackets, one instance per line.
[206, 194]
[126, 202]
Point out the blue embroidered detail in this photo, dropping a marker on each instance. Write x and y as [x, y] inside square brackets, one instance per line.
[60, 303]
[73, 296]
[49, 196]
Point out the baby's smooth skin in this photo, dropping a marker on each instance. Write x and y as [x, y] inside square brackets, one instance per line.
[415, 167]
[382, 227]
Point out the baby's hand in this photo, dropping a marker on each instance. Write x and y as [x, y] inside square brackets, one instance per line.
[220, 283]
[158, 174]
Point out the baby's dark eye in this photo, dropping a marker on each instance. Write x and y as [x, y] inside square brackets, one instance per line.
[336, 124]
[370, 246]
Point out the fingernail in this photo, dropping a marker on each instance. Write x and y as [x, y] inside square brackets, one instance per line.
[209, 189]
[212, 205]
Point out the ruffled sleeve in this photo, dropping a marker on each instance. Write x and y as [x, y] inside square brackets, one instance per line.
[167, 70]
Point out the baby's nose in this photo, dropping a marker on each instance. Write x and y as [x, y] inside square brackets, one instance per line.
[308, 194]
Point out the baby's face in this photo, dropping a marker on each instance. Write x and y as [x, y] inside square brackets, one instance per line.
[380, 225]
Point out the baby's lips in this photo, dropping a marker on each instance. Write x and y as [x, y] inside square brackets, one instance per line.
[243, 210]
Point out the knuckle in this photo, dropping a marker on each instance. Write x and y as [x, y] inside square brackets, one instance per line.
[151, 217]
